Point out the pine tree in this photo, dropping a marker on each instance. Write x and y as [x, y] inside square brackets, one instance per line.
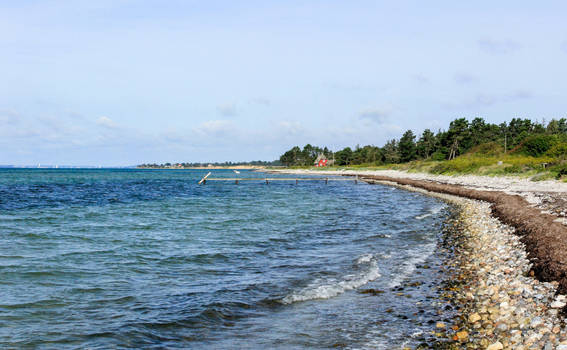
[408, 151]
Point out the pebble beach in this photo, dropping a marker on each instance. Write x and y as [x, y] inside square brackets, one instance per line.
[501, 305]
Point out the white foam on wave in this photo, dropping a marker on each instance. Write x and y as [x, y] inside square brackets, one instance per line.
[421, 217]
[432, 211]
[364, 258]
[416, 256]
[332, 287]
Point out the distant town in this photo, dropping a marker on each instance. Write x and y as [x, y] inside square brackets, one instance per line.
[217, 165]
[48, 166]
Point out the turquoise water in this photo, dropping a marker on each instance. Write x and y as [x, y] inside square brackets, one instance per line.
[149, 259]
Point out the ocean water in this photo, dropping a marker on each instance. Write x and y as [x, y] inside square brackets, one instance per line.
[149, 259]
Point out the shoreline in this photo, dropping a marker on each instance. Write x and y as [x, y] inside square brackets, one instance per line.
[550, 195]
[511, 269]
[213, 167]
[544, 234]
[500, 305]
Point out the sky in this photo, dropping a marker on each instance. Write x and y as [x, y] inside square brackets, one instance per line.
[117, 83]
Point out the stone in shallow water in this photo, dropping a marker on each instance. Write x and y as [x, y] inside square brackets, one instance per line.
[371, 291]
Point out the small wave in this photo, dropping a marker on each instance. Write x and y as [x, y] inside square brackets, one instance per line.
[366, 258]
[421, 217]
[417, 256]
[377, 236]
[382, 235]
[332, 288]
[43, 303]
[432, 211]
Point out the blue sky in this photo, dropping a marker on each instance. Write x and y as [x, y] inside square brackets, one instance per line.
[125, 82]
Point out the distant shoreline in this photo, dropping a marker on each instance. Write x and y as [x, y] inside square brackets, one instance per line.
[214, 167]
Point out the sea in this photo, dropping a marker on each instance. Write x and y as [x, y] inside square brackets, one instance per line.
[136, 258]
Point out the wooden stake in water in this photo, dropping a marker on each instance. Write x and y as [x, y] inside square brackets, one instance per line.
[204, 179]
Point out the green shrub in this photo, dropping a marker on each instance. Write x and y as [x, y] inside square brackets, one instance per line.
[542, 176]
[488, 149]
[559, 170]
[531, 162]
[463, 165]
[438, 156]
[512, 169]
[558, 150]
[537, 145]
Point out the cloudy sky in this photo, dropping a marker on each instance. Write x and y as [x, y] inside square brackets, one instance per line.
[125, 82]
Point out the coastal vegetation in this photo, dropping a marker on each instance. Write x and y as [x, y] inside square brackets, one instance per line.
[518, 147]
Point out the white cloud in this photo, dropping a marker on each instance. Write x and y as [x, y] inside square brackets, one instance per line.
[485, 100]
[227, 110]
[464, 78]
[393, 128]
[261, 101]
[75, 115]
[9, 117]
[422, 79]
[106, 122]
[215, 127]
[498, 47]
[290, 127]
[377, 115]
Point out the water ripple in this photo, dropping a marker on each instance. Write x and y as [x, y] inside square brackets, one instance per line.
[148, 259]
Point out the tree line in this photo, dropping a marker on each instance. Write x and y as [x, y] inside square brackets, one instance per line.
[461, 137]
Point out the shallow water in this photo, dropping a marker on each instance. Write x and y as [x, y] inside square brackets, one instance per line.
[147, 258]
